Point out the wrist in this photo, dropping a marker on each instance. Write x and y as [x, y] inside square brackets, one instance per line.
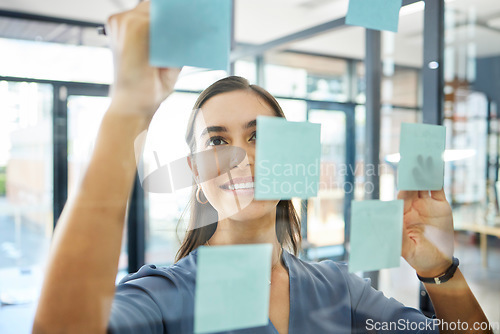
[128, 105]
[442, 277]
[437, 270]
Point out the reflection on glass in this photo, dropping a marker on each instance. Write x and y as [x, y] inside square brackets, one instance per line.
[325, 220]
[26, 191]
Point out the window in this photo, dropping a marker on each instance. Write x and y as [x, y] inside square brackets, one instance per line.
[26, 190]
[166, 138]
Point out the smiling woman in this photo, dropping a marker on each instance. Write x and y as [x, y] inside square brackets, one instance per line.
[79, 294]
[225, 114]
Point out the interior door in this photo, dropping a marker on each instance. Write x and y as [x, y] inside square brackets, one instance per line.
[328, 214]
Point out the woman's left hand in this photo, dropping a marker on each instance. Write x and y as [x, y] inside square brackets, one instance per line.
[428, 234]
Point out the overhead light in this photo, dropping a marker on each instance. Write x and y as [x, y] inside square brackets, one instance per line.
[412, 9]
[455, 155]
[416, 7]
[449, 155]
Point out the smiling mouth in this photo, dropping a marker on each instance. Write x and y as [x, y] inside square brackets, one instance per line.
[238, 186]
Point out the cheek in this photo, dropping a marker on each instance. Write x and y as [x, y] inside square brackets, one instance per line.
[210, 189]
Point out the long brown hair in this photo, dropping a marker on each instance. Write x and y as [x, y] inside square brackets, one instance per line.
[287, 220]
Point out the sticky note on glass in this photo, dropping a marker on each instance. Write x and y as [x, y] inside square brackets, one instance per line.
[376, 235]
[374, 14]
[287, 159]
[190, 32]
[232, 287]
[421, 148]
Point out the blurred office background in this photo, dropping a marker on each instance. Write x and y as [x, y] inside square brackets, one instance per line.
[55, 72]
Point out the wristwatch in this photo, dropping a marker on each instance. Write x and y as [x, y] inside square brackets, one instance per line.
[443, 278]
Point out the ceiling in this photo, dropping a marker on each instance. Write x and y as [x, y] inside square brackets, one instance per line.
[469, 23]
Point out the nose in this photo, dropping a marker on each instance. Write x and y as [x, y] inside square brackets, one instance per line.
[249, 160]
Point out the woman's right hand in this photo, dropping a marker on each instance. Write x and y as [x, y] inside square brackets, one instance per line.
[137, 85]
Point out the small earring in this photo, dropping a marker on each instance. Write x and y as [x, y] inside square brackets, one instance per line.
[198, 196]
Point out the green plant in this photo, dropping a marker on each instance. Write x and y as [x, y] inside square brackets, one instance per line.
[3, 179]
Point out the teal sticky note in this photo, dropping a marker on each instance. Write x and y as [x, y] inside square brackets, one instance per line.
[287, 159]
[374, 14]
[421, 147]
[190, 32]
[376, 235]
[232, 287]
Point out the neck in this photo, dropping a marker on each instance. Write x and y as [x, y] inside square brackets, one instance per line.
[253, 231]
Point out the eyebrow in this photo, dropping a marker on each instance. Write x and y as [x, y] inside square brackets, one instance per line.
[250, 124]
[213, 129]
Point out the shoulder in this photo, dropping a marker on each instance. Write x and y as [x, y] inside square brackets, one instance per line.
[177, 280]
[154, 297]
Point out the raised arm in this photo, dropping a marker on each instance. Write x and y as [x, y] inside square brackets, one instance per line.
[428, 238]
[79, 284]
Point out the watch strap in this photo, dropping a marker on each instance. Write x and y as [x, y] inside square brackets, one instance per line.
[443, 278]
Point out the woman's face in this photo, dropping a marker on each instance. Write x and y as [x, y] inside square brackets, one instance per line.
[229, 119]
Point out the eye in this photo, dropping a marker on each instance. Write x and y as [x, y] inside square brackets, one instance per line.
[254, 136]
[216, 141]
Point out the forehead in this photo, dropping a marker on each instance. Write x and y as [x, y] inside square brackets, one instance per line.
[232, 110]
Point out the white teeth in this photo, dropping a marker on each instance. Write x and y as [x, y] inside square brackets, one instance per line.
[237, 186]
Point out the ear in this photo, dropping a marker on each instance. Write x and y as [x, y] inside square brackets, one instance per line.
[192, 165]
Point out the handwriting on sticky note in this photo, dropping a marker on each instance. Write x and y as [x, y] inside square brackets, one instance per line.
[190, 32]
[374, 14]
[232, 287]
[421, 166]
[287, 159]
[376, 235]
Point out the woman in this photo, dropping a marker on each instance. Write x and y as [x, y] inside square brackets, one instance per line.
[79, 292]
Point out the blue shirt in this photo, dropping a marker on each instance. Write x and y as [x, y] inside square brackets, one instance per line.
[324, 298]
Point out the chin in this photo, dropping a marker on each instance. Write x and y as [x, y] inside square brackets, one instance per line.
[253, 211]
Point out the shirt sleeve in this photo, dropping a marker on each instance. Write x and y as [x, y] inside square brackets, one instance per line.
[372, 312]
[134, 311]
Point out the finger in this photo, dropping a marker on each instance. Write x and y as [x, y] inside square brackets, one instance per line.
[430, 164]
[406, 194]
[420, 160]
[438, 195]
[423, 194]
[143, 6]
